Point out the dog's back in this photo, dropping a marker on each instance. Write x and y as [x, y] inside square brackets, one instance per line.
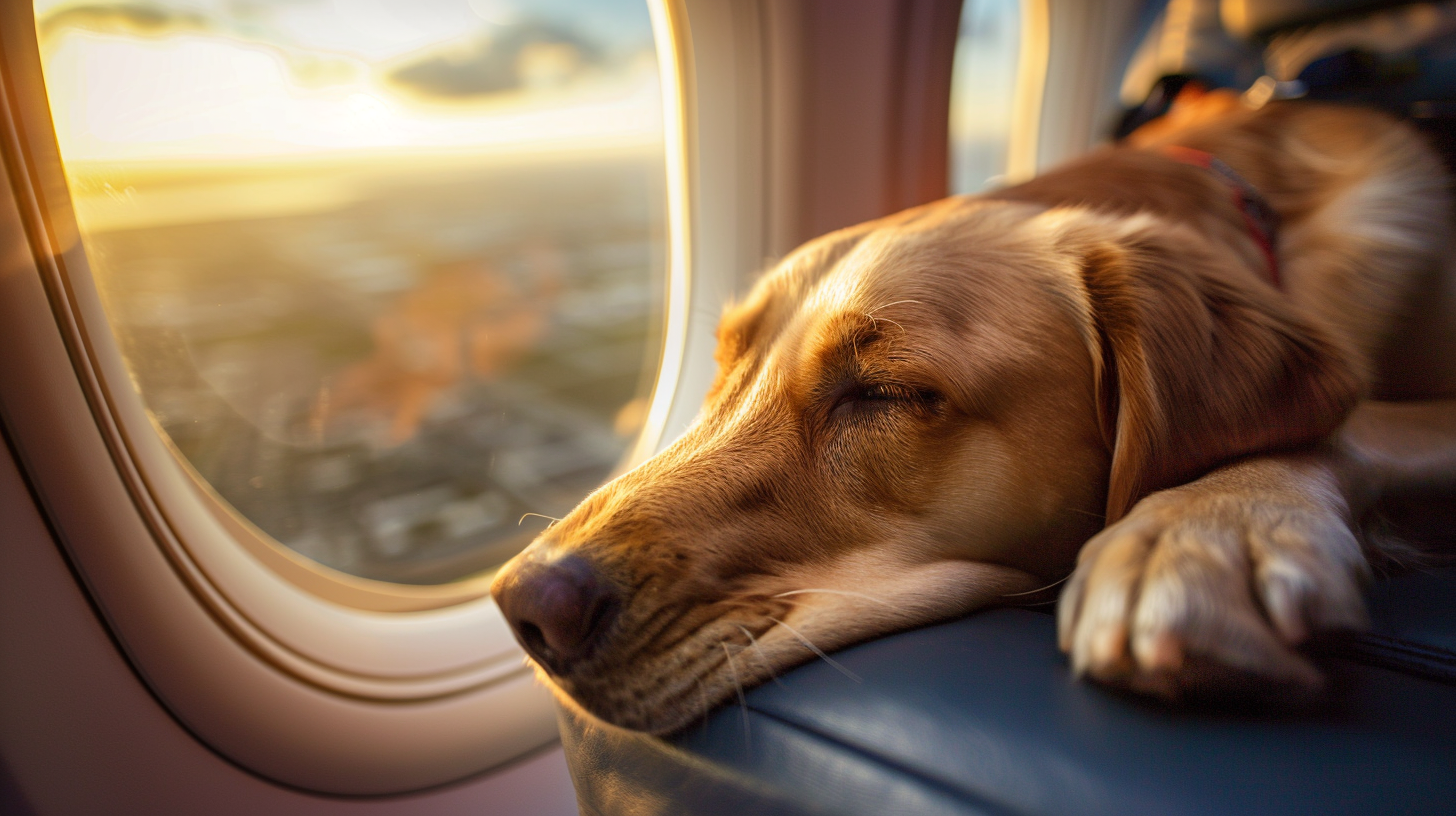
[1364, 212]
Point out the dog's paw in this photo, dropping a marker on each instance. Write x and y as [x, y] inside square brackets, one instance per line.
[1202, 587]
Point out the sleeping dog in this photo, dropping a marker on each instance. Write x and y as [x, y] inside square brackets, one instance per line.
[1145, 380]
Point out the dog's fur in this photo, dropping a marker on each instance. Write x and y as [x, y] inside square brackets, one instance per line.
[934, 412]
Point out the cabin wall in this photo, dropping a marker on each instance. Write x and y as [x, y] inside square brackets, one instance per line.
[80, 733]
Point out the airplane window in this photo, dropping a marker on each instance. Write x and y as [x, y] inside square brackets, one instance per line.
[983, 84]
[387, 273]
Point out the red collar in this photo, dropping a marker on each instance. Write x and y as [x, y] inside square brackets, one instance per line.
[1259, 217]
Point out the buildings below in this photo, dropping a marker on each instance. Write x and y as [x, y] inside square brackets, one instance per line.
[387, 377]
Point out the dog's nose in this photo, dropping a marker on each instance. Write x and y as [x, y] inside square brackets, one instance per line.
[559, 610]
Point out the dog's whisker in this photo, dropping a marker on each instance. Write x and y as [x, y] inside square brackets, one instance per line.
[552, 519]
[871, 312]
[1039, 603]
[818, 651]
[753, 641]
[1061, 580]
[756, 604]
[844, 592]
[877, 320]
[737, 686]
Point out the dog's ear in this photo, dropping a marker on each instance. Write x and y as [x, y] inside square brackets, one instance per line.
[1200, 363]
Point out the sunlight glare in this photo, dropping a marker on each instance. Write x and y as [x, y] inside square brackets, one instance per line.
[195, 97]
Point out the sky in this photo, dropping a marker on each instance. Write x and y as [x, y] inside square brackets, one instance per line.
[227, 80]
[381, 29]
[983, 86]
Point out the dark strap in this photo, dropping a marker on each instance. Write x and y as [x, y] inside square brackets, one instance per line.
[1260, 219]
[1392, 653]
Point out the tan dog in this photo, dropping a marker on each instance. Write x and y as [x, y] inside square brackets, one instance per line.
[931, 413]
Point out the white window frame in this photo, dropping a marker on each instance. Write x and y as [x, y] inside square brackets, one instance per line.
[300, 673]
[1068, 75]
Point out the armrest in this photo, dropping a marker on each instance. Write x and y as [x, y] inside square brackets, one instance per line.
[980, 716]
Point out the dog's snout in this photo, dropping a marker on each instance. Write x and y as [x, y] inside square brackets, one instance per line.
[560, 610]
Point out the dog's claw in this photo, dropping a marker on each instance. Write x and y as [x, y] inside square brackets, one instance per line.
[1161, 652]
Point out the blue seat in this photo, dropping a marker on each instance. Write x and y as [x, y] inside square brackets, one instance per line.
[981, 716]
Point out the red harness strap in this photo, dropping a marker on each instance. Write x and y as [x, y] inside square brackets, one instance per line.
[1259, 217]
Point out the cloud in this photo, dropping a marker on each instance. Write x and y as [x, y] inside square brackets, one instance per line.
[136, 19]
[307, 67]
[525, 54]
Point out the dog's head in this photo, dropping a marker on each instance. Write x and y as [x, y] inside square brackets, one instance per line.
[912, 419]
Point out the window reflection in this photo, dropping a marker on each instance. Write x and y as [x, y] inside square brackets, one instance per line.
[388, 274]
[983, 84]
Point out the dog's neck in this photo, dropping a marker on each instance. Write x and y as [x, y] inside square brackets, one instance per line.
[1260, 218]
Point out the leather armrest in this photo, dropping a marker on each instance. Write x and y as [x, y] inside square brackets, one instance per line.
[981, 716]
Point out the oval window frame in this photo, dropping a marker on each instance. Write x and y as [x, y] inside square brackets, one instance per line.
[305, 675]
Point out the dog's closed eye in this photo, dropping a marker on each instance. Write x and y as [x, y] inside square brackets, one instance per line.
[857, 398]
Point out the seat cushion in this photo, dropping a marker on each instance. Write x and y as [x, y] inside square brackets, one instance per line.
[981, 716]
